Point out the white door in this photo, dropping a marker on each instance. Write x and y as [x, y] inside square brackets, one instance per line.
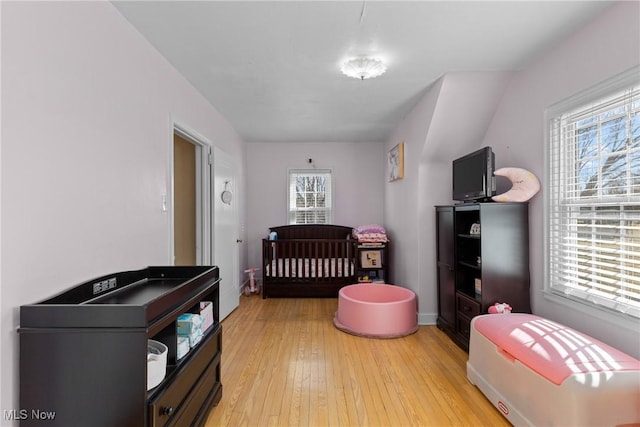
[226, 230]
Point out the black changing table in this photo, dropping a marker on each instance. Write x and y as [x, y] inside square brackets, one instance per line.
[83, 352]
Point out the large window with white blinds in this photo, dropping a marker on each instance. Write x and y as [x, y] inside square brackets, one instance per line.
[593, 197]
[310, 200]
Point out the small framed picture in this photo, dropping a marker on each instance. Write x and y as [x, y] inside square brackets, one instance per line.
[396, 162]
[370, 259]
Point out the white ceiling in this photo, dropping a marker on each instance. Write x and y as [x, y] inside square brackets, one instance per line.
[272, 68]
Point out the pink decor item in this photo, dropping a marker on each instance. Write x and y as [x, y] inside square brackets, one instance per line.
[370, 233]
[524, 185]
[500, 308]
[377, 311]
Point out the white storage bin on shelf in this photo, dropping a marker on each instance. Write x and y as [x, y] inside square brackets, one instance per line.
[156, 363]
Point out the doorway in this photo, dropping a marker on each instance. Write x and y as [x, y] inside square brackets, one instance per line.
[184, 196]
[191, 219]
[204, 225]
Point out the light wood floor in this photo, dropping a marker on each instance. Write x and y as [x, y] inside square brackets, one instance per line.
[285, 364]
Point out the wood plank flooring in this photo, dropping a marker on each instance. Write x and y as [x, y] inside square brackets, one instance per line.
[285, 364]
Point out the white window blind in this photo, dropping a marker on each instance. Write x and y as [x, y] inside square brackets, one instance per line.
[310, 199]
[593, 209]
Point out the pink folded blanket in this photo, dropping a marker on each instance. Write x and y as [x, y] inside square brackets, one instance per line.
[370, 233]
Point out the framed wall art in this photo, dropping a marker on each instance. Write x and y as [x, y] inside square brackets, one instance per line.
[396, 162]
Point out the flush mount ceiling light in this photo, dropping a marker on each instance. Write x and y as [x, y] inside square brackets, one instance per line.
[363, 68]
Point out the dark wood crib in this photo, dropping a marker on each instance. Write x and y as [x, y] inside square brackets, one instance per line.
[308, 260]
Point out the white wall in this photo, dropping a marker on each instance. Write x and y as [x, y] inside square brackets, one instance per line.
[358, 179]
[608, 45]
[448, 122]
[402, 200]
[87, 107]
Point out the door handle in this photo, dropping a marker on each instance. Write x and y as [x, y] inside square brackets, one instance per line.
[238, 240]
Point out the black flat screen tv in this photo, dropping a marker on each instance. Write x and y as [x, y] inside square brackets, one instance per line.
[473, 178]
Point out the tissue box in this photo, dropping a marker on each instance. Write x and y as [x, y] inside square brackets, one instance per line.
[187, 323]
[206, 312]
[183, 346]
[194, 337]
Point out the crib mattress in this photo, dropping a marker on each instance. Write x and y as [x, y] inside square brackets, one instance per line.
[310, 267]
[538, 372]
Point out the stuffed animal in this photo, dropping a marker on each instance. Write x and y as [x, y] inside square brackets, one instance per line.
[500, 307]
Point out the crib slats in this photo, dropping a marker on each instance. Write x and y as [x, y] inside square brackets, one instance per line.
[313, 261]
[316, 261]
[293, 259]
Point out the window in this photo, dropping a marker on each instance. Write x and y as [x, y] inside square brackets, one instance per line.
[310, 199]
[593, 197]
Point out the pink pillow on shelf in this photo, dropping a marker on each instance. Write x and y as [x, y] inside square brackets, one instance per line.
[370, 228]
[370, 233]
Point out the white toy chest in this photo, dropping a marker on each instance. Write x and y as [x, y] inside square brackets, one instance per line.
[540, 373]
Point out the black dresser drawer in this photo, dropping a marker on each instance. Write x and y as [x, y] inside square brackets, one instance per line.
[463, 326]
[466, 305]
[191, 411]
[166, 406]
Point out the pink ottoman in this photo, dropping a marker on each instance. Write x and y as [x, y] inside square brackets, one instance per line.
[376, 310]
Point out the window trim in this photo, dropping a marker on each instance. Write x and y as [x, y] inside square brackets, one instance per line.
[614, 84]
[310, 170]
